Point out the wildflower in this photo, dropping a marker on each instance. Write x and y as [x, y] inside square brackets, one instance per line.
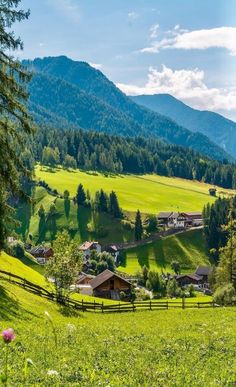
[8, 335]
[71, 328]
[52, 373]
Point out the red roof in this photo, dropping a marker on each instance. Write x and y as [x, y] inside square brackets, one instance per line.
[87, 245]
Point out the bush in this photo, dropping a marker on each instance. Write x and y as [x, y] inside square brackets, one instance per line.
[127, 225]
[225, 295]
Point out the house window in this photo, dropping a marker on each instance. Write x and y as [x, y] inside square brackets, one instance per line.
[112, 284]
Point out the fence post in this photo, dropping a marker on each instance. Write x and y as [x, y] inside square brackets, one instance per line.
[183, 303]
[133, 306]
[119, 306]
[167, 305]
[213, 304]
[198, 305]
[102, 307]
[150, 305]
[94, 306]
[82, 305]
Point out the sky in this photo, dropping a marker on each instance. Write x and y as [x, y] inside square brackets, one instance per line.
[186, 48]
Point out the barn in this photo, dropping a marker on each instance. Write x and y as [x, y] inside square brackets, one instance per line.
[109, 285]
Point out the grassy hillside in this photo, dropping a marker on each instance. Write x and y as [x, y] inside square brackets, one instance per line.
[117, 349]
[83, 224]
[149, 193]
[188, 248]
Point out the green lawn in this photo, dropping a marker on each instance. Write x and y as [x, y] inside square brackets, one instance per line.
[153, 348]
[149, 193]
[188, 248]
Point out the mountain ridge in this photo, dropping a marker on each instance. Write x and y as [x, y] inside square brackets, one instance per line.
[218, 128]
[108, 109]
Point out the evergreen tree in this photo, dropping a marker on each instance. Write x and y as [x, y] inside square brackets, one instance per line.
[15, 122]
[226, 270]
[114, 207]
[138, 228]
[102, 201]
[42, 224]
[80, 196]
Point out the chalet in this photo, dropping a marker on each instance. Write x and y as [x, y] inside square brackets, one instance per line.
[109, 285]
[193, 219]
[41, 253]
[204, 272]
[180, 219]
[87, 247]
[113, 250]
[84, 279]
[188, 279]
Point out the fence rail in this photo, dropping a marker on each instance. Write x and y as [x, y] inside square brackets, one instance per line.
[120, 307]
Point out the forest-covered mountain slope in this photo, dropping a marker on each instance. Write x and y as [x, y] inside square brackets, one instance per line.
[81, 95]
[218, 128]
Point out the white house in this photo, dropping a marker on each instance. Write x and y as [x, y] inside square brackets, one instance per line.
[87, 247]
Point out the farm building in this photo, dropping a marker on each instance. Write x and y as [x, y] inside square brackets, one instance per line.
[113, 250]
[204, 272]
[180, 219]
[109, 285]
[88, 247]
[41, 253]
[188, 279]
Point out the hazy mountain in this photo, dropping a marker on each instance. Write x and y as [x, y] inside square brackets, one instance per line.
[218, 128]
[81, 95]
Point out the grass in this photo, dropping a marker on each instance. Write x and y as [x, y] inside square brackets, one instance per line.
[164, 348]
[149, 193]
[83, 224]
[188, 248]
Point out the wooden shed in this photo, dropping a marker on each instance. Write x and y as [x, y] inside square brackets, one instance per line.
[109, 285]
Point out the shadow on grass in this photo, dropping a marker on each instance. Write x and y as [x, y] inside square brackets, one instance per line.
[69, 312]
[10, 309]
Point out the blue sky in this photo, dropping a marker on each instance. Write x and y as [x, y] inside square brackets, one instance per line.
[183, 47]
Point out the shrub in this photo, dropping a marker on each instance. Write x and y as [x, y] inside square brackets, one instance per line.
[225, 295]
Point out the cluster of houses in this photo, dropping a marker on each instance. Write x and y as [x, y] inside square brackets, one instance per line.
[180, 219]
[43, 253]
[199, 278]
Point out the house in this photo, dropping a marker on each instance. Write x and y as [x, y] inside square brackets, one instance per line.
[171, 219]
[193, 219]
[188, 279]
[41, 253]
[113, 250]
[84, 279]
[204, 272]
[109, 285]
[87, 247]
[180, 219]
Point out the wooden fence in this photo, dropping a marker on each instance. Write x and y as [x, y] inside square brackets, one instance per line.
[120, 307]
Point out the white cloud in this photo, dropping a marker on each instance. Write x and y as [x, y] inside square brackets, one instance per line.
[154, 31]
[69, 8]
[133, 15]
[97, 66]
[186, 85]
[222, 37]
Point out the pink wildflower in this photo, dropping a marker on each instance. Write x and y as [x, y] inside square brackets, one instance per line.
[8, 335]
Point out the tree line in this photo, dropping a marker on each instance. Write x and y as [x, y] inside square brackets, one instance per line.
[90, 150]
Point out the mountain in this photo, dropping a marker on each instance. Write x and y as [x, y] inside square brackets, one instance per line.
[218, 128]
[82, 96]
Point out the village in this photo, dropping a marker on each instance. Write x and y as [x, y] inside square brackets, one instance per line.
[99, 275]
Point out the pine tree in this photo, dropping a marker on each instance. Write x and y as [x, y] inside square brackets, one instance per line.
[114, 207]
[80, 196]
[103, 201]
[15, 122]
[138, 228]
[226, 270]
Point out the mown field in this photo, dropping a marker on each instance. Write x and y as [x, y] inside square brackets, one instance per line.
[188, 248]
[156, 348]
[148, 193]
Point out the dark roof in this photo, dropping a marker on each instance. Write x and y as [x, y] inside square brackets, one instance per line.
[84, 276]
[104, 276]
[203, 270]
[164, 215]
[191, 276]
[39, 249]
[112, 248]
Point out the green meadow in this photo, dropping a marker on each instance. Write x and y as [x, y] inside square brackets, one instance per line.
[188, 248]
[145, 348]
[149, 193]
